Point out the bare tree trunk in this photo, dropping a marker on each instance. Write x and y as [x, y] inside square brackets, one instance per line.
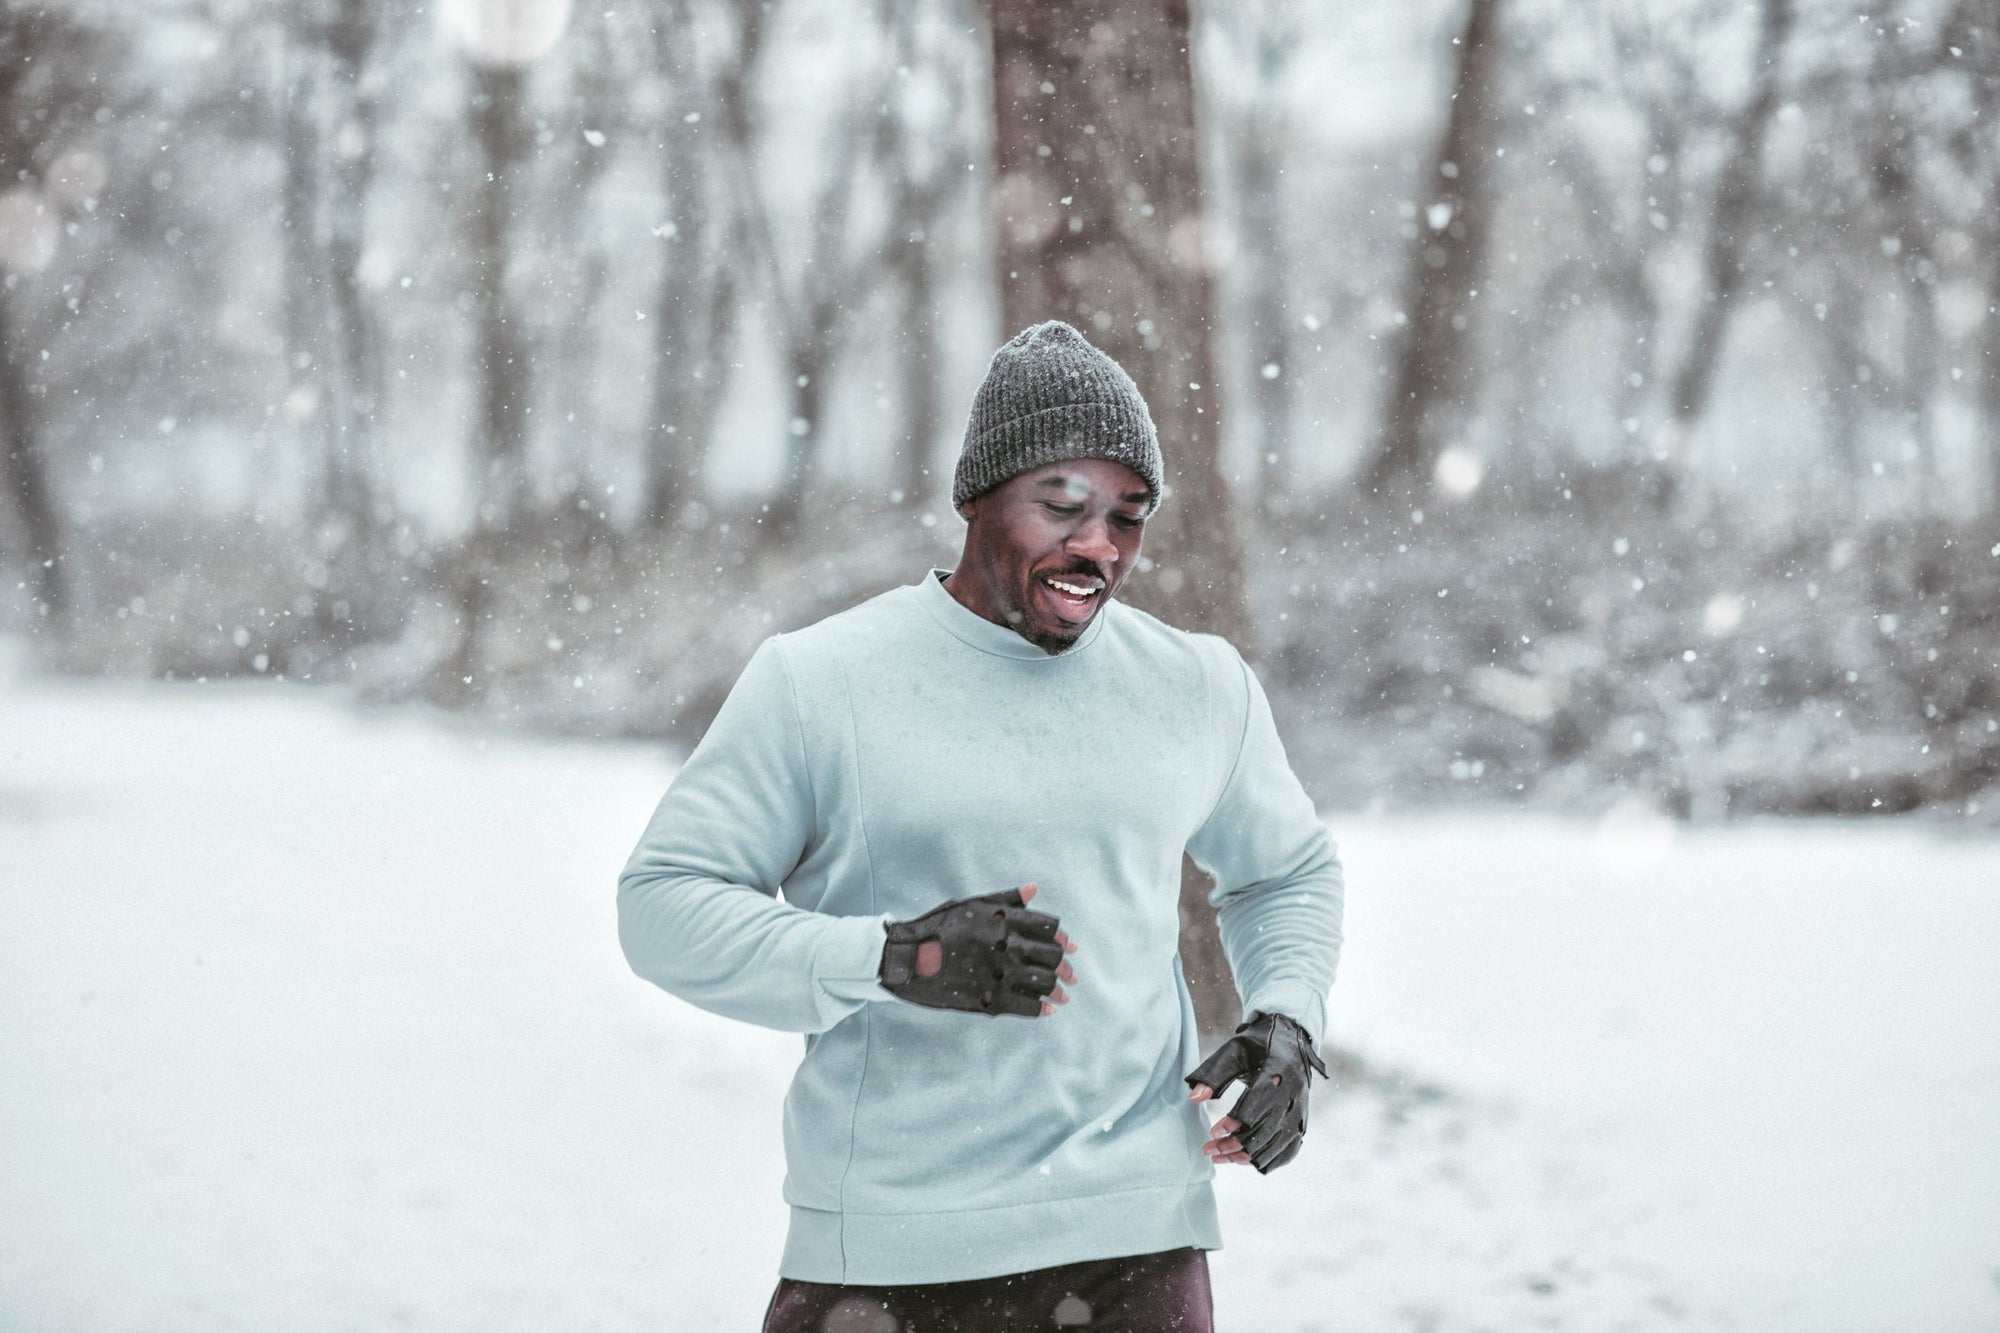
[1970, 29]
[805, 387]
[26, 471]
[754, 231]
[1919, 385]
[358, 386]
[814, 305]
[711, 373]
[307, 323]
[1100, 223]
[501, 372]
[1917, 270]
[1611, 259]
[1846, 404]
[1433, 383]
[1264, 251]
[818, 304]
[927, 178]
[1638, 381]
[917, 350]
[502, 369]
[29, 35]
[579, 239]
[354, 377]
[691, 290]
[1729, 228]
[693, 315]
[1989, 381]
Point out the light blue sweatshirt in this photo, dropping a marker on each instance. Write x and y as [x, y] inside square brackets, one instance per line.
[908, 752]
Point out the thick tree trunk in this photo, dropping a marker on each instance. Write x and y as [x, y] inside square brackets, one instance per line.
[1433, 383]
[1099, 216]
[26, 471]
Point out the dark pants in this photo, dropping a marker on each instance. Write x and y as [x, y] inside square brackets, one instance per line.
[1146, 1293]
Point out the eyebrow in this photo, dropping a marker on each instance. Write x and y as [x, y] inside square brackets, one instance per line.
[1063, 483]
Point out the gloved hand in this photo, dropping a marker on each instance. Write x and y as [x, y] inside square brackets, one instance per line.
[1271, 1054]
[998, 957]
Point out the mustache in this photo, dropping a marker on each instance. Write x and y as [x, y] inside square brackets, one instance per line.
[1084, 568]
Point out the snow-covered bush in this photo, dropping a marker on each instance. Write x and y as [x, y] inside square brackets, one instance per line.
[1571, 649]
[1563, 650]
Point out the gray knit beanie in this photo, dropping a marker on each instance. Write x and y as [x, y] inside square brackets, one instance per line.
[1050, 396]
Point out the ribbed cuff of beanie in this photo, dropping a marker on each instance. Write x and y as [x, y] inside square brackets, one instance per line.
[1118, 432]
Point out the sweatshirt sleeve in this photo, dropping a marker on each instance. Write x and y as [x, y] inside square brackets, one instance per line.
[699, 906]
[1278, 886]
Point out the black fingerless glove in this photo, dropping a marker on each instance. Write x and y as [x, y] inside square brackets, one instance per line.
[999, 956]
[1271, 1054]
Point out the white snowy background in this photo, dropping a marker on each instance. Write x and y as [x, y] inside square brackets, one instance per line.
[312, 1017]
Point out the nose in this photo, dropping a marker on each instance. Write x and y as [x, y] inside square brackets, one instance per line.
[1092, 541]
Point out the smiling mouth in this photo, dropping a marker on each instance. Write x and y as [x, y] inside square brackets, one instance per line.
[1075, 596]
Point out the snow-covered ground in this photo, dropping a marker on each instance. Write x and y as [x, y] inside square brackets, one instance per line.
[313, 1018]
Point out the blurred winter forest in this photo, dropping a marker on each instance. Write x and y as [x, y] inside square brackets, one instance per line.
[1566, 401]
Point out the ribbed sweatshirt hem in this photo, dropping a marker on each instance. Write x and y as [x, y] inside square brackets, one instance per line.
[898, 1249]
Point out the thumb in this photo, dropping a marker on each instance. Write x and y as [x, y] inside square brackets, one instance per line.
[1231, 1061]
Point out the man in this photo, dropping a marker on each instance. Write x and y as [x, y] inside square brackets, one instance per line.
[989, 1129]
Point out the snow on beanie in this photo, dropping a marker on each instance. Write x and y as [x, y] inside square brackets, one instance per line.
[1050, 396]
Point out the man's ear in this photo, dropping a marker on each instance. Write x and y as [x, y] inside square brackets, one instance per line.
[965, 510]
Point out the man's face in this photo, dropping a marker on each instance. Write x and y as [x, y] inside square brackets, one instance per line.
[1045, 550]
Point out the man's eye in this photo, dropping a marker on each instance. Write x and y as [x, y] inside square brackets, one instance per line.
[1127, 521]
[1062, 511]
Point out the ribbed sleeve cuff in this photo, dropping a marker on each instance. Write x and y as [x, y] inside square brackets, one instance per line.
[1296, 1000]
[849, 958]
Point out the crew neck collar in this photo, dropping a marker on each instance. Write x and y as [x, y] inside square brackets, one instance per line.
[971, 628]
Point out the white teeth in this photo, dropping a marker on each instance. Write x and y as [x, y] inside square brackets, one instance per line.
[1069, 588]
